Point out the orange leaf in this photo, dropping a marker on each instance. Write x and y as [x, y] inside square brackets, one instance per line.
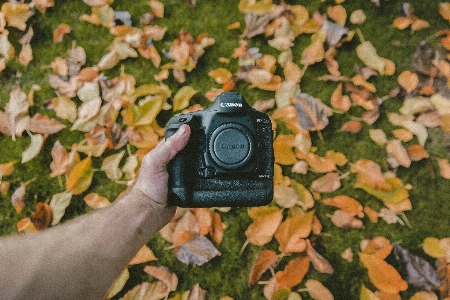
[59, 32]
[266, 222]
[371, 214]
[339, 101]
[80, 177]
[347, 204]
[417, 152]
[328, 183]
[352, 126]
[383, 276]
[220, 75]
[291, 233]
[185, 229]
[16, 14]
[408, 80]
[216, 231]
[145, 254]
[338, 14]
[320, 263]
[444, 10]
[204, 219]
[294, 272]
[378, 246]
[266, 259]
[320, 164]
[402, 22]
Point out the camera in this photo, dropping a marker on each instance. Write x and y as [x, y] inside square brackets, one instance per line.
[228, 161]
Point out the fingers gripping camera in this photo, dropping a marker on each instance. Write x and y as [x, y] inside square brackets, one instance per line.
[228, 160]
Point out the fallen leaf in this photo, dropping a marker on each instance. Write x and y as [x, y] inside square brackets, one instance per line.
[397, 154]
[416, 271]
[182, 98]
[186, 228]
[266, 221]
[347, 204]
[42, 217]
[58, 204]
[369, 173]
[283, 150]
[292, 232]
[383, 275]
[352, 126]
[368, 55]
[328, 183]
[266, 259]
[144, 255]
[408, 81]
[444, 166]
[317, 290]
[95, 201]
[345, 220]
[310, 112]
[17, 14]
[321, 264]
[198, 251]
[147, 291]
[18, 198]
[163, 274]
[118, 284]
[80, 176]
[37, 141]
[433, 248]
[7, 169]
[110, 165]
[44, 125]
[339, 101]
[59, 32]
[293, 273]
[378, 246]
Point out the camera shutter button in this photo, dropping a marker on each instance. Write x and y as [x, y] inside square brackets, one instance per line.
[231, 146]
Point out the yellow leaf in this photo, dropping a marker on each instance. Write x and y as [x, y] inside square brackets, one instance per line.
[396, 194]
[433, 248]
[80, 177]
[58, 204]
[111, 166]
[182, 98]
[144, 113]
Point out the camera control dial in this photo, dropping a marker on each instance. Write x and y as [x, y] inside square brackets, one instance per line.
[231, 145]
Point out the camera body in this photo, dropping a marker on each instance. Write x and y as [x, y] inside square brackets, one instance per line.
[228, 160]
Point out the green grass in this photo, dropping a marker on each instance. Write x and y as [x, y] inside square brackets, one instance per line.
[228, 274]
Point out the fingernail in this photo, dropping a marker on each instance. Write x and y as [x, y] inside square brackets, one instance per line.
[181, 131]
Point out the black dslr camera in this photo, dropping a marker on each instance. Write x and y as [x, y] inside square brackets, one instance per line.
[228, 160]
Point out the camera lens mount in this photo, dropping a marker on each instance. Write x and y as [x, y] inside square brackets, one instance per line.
[231, 145]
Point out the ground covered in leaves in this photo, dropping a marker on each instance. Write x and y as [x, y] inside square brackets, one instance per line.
[358, 92]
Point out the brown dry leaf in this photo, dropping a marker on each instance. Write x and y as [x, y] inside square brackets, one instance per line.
[292, 232]
[144, 255]
[408, 81]
[80, 176]
[321, 264]
[348, 204]
[59, 32]
[311, 113]
[345, 220]
[165, 275]
[328, 183]
[95, 201]
[294, 272]
[369, 173]
[266, 259]
[44, 125]
[42, 217]
[383, 275]
[266, 221]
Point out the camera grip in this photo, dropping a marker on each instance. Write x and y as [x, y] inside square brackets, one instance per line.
[176, 168]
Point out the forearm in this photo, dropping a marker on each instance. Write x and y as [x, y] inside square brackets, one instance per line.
[79, 259]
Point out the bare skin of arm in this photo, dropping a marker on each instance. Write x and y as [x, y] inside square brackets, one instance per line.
[81, 258]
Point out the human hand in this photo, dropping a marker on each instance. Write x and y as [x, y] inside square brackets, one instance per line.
[152, 179]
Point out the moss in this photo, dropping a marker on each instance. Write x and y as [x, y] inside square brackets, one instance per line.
[228, 274]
